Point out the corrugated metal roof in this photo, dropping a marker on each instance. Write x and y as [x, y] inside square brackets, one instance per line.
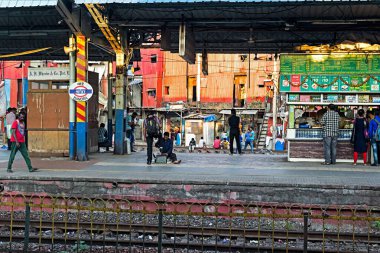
[26, 3]
[204, 1]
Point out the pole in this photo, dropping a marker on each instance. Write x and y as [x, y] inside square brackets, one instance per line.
[199, 59]
[249, 68]
[305, 230]
[109, 102]
[120, 105]
[72, 143]
[160, 230]
[27, 226]
[82, 154]
[274, 102]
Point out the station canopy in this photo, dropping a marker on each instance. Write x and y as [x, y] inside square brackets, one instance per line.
[216, 26]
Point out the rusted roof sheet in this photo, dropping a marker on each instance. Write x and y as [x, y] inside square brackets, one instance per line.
[203, 1]
[26, 3]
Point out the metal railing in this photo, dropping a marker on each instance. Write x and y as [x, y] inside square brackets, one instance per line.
[64, 224]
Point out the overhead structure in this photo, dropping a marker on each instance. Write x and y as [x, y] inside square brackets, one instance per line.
[123, 56]
[231, 26]
[236, 26]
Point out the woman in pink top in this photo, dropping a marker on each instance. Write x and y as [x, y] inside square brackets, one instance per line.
[217, 143]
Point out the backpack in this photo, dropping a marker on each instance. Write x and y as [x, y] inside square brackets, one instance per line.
[151, 126]
[377, 132]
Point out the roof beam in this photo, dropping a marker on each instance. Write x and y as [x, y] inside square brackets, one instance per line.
[75, 17]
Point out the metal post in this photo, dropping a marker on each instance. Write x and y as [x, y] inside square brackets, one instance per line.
[81, 107]
[27, 226]
[199, 59]
[160, 230]
[120, 105]
[305, 230]
[109, 102]
[24, 82]
[274, 103]
[249, 68]
[72, 143]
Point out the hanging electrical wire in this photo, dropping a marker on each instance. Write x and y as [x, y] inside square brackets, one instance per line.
[24, 53]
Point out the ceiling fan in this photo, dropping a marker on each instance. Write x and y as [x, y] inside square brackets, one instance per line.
[253, 40]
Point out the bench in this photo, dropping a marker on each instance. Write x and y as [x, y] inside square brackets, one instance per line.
[106, 145]
[160, 159]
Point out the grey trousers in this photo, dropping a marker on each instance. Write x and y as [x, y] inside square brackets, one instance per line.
[329, 144]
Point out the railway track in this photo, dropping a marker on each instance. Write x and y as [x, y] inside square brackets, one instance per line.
[180, 237]
[195, 231]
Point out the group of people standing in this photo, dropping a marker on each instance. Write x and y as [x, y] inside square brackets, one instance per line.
[366, 127]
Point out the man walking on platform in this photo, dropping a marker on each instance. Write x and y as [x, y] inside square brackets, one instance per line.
[151, 131]
[234, 123]
[10, 118]
[18, 143]
[330, 123]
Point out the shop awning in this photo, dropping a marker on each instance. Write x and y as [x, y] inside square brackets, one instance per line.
[204, 117]
[210, 118]
[240, 112]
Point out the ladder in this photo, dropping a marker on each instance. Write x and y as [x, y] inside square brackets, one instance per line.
[263, 133]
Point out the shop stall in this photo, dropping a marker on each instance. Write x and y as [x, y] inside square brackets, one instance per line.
[48, 112]
[311, 82]
[201, 125]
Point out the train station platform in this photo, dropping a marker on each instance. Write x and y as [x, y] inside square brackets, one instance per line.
[200, 177]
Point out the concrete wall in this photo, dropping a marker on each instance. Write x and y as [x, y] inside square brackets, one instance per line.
[214, 192]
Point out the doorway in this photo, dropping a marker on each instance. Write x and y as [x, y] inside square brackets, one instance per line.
[239, 92]
[192, 89]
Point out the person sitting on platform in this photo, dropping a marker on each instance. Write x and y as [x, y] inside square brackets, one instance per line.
[103, 137]
[225, 144]
[202, 143]
[192, 145]
[217, 143]
[166, 148]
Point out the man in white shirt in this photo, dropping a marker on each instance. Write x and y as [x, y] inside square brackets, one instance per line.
[202, 143]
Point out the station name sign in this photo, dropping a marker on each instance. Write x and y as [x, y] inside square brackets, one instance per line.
[80, 91]
[48, 74]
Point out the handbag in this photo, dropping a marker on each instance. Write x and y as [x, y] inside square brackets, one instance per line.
[366, 135]
[352, 140]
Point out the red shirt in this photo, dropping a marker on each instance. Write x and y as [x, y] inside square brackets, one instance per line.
[217, 143]
[20, 131]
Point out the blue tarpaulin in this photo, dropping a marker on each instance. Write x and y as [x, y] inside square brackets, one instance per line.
[210, 118]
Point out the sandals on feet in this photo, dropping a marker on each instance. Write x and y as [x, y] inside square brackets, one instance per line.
[324, 163]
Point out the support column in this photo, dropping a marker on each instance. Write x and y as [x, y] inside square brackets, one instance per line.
[82, 154]
[109, 102]
[199, 60]
[72, 143]
[120, 105]
[274, 101]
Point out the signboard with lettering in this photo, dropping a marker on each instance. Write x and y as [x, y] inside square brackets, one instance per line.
[80, 91]
[330, 83]
[48, 74]
[330, 64]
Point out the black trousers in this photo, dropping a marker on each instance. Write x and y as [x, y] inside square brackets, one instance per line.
[172, 157]
[149, 143]
[236, 136]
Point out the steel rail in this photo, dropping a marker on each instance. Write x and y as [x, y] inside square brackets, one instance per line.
[228, 232]
[104, 242]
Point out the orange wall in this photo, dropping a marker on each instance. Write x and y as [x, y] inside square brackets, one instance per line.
[218, 85]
